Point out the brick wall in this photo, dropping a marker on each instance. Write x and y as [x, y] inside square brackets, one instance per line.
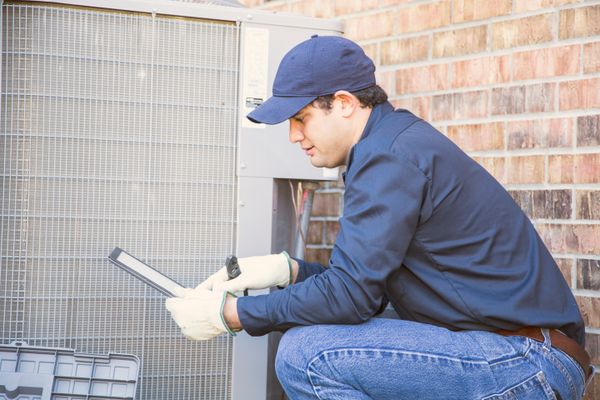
[516, 84]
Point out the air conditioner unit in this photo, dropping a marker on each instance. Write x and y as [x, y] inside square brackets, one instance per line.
[123, 124]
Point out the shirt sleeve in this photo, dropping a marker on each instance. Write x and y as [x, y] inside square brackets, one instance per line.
[306, 269]
[382, 203]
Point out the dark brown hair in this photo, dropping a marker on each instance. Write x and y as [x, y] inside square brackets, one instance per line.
[368, 97]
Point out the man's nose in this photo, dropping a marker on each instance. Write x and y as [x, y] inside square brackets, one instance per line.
[296, 134]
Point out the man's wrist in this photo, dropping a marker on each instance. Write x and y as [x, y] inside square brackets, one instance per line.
[230, 314]
[295, 267]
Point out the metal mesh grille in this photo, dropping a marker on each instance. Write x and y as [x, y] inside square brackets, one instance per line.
[117, 129]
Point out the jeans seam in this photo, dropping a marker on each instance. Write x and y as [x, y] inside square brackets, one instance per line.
[310, 374]
[326, 353]
[558, 364]
[519, 356]
[311, 369]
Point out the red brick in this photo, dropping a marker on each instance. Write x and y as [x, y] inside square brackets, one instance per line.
[495, 166]
[582, 94]
[460, 41]
[526, 169]
[470, 104]
[508, 100]
[417, 105]
[331, 231]
[586, 168]
[571, 239]
[544, 63]
[326, 204]
[369, 26]
[566, 267]
[422, 79]
[591, 57]
[588, 274]
[276, 7]
[588, 130]
[547, 204]
[422, 17]
[371, 52]
[478, 137]
[442, 107]
[252, 3]
[540, 97]
[531, 5]
[352, 6]
[316, 8]
[588, 204]
[481, 71]
[470, 10]
[560, 169]
[385, 3]
[592, 345]
[404, 50]
[315, 232]
[540, 133]
[521, 32]
[558, 132]
[589, 307]
[520, 99]
[460, 105]
[593, 390]
[578, 22]
[387, 81]
[320, 256]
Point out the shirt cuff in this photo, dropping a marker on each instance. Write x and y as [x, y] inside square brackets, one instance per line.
[306, 269]
[252, 312]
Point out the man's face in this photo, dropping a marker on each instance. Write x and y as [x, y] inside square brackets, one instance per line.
[322, 134]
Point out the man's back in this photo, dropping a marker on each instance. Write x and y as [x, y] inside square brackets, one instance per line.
[474, 260]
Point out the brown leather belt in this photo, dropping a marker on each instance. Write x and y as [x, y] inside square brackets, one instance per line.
[560, 341]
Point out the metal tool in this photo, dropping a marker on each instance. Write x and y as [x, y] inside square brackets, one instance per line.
[233, 269]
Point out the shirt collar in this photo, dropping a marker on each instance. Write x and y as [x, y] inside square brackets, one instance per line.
[378, 112]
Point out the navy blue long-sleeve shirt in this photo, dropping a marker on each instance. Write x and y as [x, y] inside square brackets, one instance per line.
[429, 229]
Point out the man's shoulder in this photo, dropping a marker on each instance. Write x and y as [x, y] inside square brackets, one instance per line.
[402, 131]
[411, 140]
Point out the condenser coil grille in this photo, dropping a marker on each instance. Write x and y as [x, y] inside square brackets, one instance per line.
[117, 129]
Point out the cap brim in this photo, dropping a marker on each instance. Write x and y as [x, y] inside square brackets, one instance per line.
[277, 109]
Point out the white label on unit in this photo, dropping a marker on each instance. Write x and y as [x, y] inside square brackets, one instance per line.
[330, 172]
[256, 68]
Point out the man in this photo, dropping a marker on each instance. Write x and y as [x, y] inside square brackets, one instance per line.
[484, 312]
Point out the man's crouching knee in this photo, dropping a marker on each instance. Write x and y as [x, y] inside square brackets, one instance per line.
[296, 349]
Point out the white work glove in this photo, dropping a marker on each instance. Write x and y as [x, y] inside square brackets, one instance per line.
[199, 313]
[256, 273]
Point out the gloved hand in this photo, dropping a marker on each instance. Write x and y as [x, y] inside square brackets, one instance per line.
[199, 313]
[256, 273]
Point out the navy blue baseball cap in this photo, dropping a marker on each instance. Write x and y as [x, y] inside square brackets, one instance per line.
[319, 66]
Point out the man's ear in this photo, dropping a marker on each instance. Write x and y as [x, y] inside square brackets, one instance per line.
[347, 101]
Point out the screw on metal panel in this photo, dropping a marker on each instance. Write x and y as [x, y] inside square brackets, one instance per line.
[242, 165]
[242, 204]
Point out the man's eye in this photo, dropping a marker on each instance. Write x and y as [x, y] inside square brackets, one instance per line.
[299, 119]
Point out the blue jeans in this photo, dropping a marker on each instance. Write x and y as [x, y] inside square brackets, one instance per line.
[395, 359]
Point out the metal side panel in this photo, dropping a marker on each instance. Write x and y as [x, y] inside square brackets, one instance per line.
[206, 11]
[249, 379]
[265, 150]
